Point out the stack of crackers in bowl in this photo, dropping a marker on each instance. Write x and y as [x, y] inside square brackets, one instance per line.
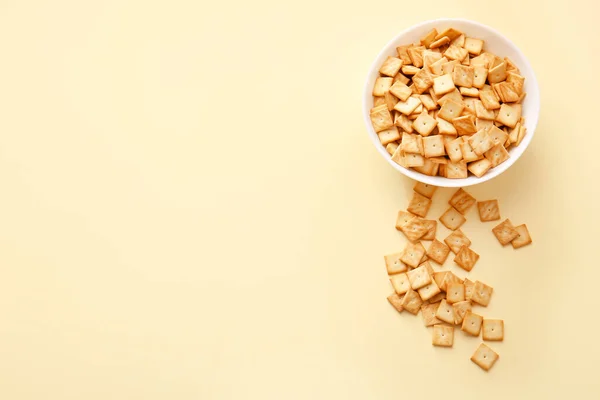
[447, 107]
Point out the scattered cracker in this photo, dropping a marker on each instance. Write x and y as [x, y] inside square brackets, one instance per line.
[466, 258]
[428, 313]
[425, 189]
[412, 302]
[460, 310]
[412, 254]
[400, 283]
[455, 292]
[431, 229]
[449, 279]
[485, 357]
[505, 232]
[430, 291]
[452, 219]
[445, 312]
[415, 229]
[462, 201]
[472, 323]
[393, 264]
[419, 205]
[468, 288]
[419, 277]
[396, 301]
[489, 210]
[456, 240]
[438, 252]
[482, 293]
[493, 329]
[523, 238]
[443, 335]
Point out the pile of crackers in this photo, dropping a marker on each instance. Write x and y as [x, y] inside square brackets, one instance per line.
[446, 107]
[444, 299]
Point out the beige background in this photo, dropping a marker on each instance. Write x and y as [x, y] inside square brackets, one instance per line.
[191, 207]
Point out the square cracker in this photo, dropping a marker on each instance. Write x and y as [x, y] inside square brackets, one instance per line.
[428, 313]
[468, 153]
[489, 210]
[463, 76]
[468, 288]
[509, 114]
[479, 76]
[416, 55]
[400, 90]
[481, 142]
[424, 124]
[456, 53]
[465, 124]
[381, 119]
[412, 255]
[482, 293]
[445, 312]
[455, 292]
[466, 258]
[462, 201]
[428, 102]
[429, 291]
[425, 189]
[396, 301]
[403, 219]
[411, 143]
[441, 85]
[480, 167]
[483, 113]
[443, 335]
[400, 283]
[460, 310]
[431, 229]
[412, 302]
[439, 277]
[402, 121]
[472, 323]
[419, 277]
[489, 98]
[433, 146]
[505, 232]
[388, 135]
[391, 66]
[393, 264]
[419, 205]
[456, 170]
[497, 73]
[391, 148]
[452, 219]
[493, 329]
[438, 252]
[469, 92]
[429, 37]
[403, 54]
[449, 279]
[422, 80]
[451, 33]
[523, 239]
[497, 135]
[485, 357]
[408, 106]
[445, 127]
[450, 110]
[456, 240]
[473, 46]
[382, 85]
[415, 229]
[390, 101]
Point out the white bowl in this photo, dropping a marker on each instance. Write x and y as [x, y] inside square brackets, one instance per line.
[496, 43]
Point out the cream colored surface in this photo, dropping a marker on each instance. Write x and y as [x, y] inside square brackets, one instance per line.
[192, 209]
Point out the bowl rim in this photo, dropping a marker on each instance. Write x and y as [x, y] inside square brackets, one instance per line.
[438, 180]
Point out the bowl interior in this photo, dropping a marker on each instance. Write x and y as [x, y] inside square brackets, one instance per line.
[494, 42]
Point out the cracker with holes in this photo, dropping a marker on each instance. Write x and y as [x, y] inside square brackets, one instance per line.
[425, 189]
[431, 229]
[481, 142]
[396, 302]
[415, 229]
[456, 170]
[422, 81]
[441, 85]
[450, 110]
[456, 240]
[391, 66]
[492, 329]
[400, 90]
[523, 238]
[445, 312]
[388, 135]
[438, 252]
[463, 76]
[439, 277]
[455, 292]
[485, 357]
[403, 219]
[407, 107]
[460, 310]
[412, 254]
[400, 283]
[480, 167]
[452, 219]
[428, 312]
[462, 201]
[505, 232]
[449, 279]
[412, 301]
[428, 292]
[419, 277]
[471, 323]
[381, 118]
[489, 210]
[466, 258]
[393, 264]
[433, 146]
[419, 205]
[425, 124]
[482, 293]
[468, 288]
[509, 114]
[443, 335]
